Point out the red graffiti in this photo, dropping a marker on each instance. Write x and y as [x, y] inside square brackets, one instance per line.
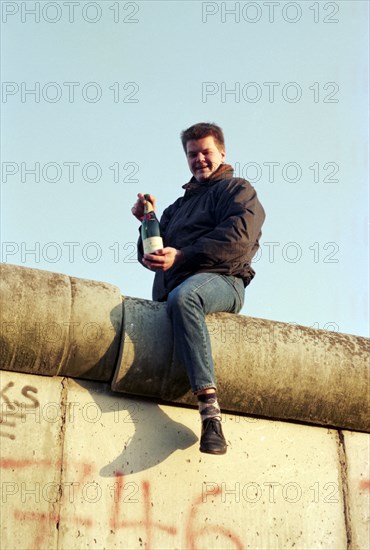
[13, 464]
[49, 519]
[365, 484]
[192, 534]
[146, 523]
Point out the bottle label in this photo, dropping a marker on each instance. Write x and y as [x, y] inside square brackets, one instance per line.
[151, 244]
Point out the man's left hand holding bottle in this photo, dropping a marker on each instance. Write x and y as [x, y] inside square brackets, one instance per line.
[162, 259]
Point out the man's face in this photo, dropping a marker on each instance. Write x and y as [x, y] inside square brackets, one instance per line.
[203, 157]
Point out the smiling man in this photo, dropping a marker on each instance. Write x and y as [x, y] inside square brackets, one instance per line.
[204, 157]
[210, 236]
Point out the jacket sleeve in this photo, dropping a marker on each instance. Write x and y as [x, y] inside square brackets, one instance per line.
[239, 216]
[168, 213]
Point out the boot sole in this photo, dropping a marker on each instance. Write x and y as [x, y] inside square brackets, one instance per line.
[212, 452]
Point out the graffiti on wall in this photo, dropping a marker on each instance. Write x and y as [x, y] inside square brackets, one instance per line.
[52, 496]
[13, 410]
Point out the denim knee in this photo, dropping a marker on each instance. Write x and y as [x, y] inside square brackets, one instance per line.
[179, 298]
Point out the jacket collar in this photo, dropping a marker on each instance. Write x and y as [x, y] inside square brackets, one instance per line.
[223, 172]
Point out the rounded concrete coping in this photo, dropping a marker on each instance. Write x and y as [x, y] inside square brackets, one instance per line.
[263, 367]
[52, 324]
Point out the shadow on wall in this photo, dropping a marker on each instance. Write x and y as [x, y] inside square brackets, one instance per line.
[156, 436]
[147, 364]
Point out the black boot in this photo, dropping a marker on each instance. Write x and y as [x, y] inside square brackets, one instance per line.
[212, 439]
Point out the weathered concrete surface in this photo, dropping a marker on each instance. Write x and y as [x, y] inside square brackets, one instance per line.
[356, 462]
[82, 468]
[31, 439]
[262, 367]
[57, 325]
[54, 324]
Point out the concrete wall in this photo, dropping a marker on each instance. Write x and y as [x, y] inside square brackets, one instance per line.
[262, 367]
[83, 468]
[52, 324]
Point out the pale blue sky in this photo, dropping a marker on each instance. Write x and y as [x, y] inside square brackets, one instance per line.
[296, 125]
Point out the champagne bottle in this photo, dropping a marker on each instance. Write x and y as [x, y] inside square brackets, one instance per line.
[150, 231]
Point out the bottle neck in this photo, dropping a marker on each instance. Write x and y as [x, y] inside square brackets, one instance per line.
[148, 207]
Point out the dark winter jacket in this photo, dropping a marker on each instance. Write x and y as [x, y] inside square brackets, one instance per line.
[217, 226]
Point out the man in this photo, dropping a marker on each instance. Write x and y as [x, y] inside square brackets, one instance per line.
[210, 237]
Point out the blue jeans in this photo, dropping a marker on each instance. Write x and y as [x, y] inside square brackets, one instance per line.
[187, 306]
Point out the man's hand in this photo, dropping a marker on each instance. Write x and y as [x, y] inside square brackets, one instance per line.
[138, 208]
[163, 259]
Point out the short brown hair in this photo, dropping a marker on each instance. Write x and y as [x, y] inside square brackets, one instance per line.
[202, 130]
